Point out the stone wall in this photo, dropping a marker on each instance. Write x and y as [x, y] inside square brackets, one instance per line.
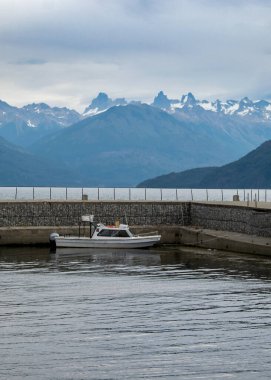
[68, 213]
[254, 221]
[251, 221]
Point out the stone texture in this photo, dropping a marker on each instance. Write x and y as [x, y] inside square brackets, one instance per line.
[247, 220]
[66, 213]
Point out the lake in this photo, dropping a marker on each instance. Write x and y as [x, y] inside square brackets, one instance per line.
[165, 313]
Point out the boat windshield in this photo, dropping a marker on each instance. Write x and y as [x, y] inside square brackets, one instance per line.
[114, 233]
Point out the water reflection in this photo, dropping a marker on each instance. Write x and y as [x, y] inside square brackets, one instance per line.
[162, 313]
[171, 259]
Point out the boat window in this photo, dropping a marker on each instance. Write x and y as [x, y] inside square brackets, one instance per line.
[107, 233]
[114, 233]
[122, 233]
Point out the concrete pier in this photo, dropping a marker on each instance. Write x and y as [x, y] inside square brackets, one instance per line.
[233, 226]
[40, 235]
[225, 241]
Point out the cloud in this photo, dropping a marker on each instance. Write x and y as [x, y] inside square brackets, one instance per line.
[71, 50]
[30, 61]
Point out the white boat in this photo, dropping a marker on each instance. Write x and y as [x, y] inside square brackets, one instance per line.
[114, 236]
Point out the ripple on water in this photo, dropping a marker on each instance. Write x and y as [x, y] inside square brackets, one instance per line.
[169, 313]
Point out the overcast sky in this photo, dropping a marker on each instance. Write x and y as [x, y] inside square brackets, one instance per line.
[63, 52]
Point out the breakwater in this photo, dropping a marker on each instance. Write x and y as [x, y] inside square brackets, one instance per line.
[244, 219]
[68, 213]
[31, 222]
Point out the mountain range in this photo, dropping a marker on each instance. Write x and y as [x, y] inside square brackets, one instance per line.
[126, 144]
[18, 167]
[251, 171]
[259, 110]
[114, 142]
[25, 125]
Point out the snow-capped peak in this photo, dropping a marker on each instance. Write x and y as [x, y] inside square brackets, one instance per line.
[188, 99]
[102, 103]
[260, 109]
[30, 124]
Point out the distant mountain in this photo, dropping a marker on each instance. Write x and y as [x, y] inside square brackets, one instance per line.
[162, 101]
[259, 110]
[23, 126]
[187, 179]
[245, 121]
[125, 144]
[20, 168]
[102, 103]
[138, 140]
[255, 111]
[245, 108]
[251, 171]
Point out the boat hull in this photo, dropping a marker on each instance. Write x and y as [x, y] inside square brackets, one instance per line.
[84, 242]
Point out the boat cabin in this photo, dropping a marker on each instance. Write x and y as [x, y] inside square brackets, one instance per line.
[122, 231]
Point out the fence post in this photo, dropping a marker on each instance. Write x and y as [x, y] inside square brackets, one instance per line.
[145, 194]
[98, 193]
[50, 193]
[222, 195]
[33, 193]
[207, 195]
[129, 193]
[114, 193]
[16, 193]
[265, 195]
[161, 194]
[66, 193]
[192, 195]
[177, 195]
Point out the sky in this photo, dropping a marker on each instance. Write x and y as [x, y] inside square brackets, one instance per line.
[64, 52]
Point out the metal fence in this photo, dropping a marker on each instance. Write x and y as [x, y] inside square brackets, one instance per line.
[133, 194]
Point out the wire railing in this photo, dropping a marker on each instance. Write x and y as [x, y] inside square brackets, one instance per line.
[132, 194]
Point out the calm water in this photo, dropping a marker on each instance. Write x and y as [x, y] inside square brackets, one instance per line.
[158, 314]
